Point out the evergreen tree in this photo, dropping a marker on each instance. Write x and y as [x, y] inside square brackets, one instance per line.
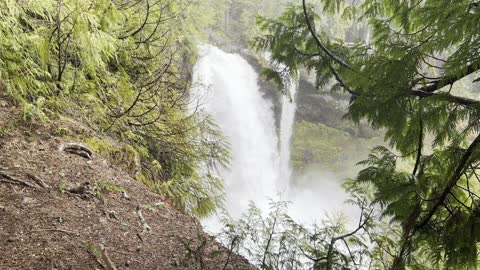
[276, 242]
[122, 67]
[409, 80]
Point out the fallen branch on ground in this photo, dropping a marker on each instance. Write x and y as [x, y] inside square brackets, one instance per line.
[101, 256]
[146, 227]
[106, 259]
[77, 149]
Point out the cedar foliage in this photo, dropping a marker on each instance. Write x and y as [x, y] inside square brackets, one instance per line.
[274, 241]
[403, 81]
[122, 67]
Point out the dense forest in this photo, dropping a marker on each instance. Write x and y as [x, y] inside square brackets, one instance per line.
[388, 100]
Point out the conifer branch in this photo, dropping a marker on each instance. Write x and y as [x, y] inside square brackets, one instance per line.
[419, 145]
[468, 102]
[411, 226]
[361, 225]
[448, 80]
[147, 15]
[319, 42]
[339, 79]
[459, 169]
[426, 91]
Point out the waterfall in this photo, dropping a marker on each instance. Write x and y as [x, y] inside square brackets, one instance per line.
[227, 85]
[286, 130]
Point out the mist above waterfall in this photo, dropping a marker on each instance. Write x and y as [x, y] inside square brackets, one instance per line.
[260, 165]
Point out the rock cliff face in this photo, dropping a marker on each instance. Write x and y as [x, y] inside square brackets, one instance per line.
[322, 107]
[313, 105]
[322, 138]
[61, 210]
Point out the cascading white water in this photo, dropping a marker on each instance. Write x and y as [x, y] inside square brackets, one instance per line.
[228, 86]
[286, 130]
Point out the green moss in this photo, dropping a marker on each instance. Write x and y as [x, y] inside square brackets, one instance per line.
[123, 155]
[99, 146]
[153, 207]
[62, 132]
[103, 187]
[94, 250]
[319, 146]
[5, 130]
[108, 186]
[145, 180]
[63, 186]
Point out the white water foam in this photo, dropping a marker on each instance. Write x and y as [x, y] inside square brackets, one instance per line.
[260, 166]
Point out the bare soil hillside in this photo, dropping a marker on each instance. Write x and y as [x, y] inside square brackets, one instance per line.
[61, 210]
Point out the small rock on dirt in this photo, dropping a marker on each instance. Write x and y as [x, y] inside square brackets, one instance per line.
[29, 201]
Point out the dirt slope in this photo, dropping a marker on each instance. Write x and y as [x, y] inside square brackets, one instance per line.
[62, 211]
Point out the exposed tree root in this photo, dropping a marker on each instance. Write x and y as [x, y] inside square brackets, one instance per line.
[5, 178]
[38, 181]
[82, 189]
[42, 230]
[55, 230]
[77, 149]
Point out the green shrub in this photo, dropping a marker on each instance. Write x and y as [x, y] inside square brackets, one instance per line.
[122, 71]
